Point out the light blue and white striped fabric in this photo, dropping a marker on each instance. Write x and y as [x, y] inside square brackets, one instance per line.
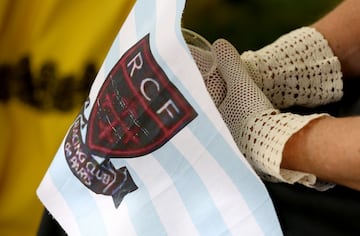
[198, 183]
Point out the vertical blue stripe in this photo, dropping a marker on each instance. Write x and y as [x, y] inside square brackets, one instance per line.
[142, 212]
[253, 191]
[194, 194]
[180, 5]
[145, 17]
[77, 197]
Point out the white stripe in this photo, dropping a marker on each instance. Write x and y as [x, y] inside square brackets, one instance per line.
[127, 34]
[117, 221]
[161, 188]
[56, 205]
[227, 198]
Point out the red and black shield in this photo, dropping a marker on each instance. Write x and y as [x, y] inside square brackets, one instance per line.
[137, 109]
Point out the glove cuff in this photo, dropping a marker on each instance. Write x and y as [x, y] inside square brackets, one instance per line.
[262, 139]
[299, 68]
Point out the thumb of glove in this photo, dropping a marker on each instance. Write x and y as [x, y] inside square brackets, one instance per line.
[243, 99]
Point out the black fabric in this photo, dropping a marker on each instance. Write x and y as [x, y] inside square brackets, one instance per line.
[303, 211]
[49, 226]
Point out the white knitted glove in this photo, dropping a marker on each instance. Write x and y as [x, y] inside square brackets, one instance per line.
[214, 83]
[299, 68]
[259, 129]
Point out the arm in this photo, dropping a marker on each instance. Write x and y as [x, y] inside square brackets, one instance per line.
[329, 148]
[341, 27]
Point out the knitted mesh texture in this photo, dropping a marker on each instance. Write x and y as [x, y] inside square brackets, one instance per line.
[259, 129]
[299, 68]
[214, 83]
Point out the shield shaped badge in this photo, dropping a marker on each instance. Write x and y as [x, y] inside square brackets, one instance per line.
[137, 109]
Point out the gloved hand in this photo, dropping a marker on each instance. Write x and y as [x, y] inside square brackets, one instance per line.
[299, 68]
[259, 130]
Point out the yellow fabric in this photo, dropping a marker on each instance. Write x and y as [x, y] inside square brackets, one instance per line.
[29, 140]
[70, 33]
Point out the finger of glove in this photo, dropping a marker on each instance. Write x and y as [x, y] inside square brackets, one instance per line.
[214, 82]
[243, 98]
[216, 87]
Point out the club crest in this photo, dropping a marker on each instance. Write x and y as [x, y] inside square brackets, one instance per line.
[136, 111]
